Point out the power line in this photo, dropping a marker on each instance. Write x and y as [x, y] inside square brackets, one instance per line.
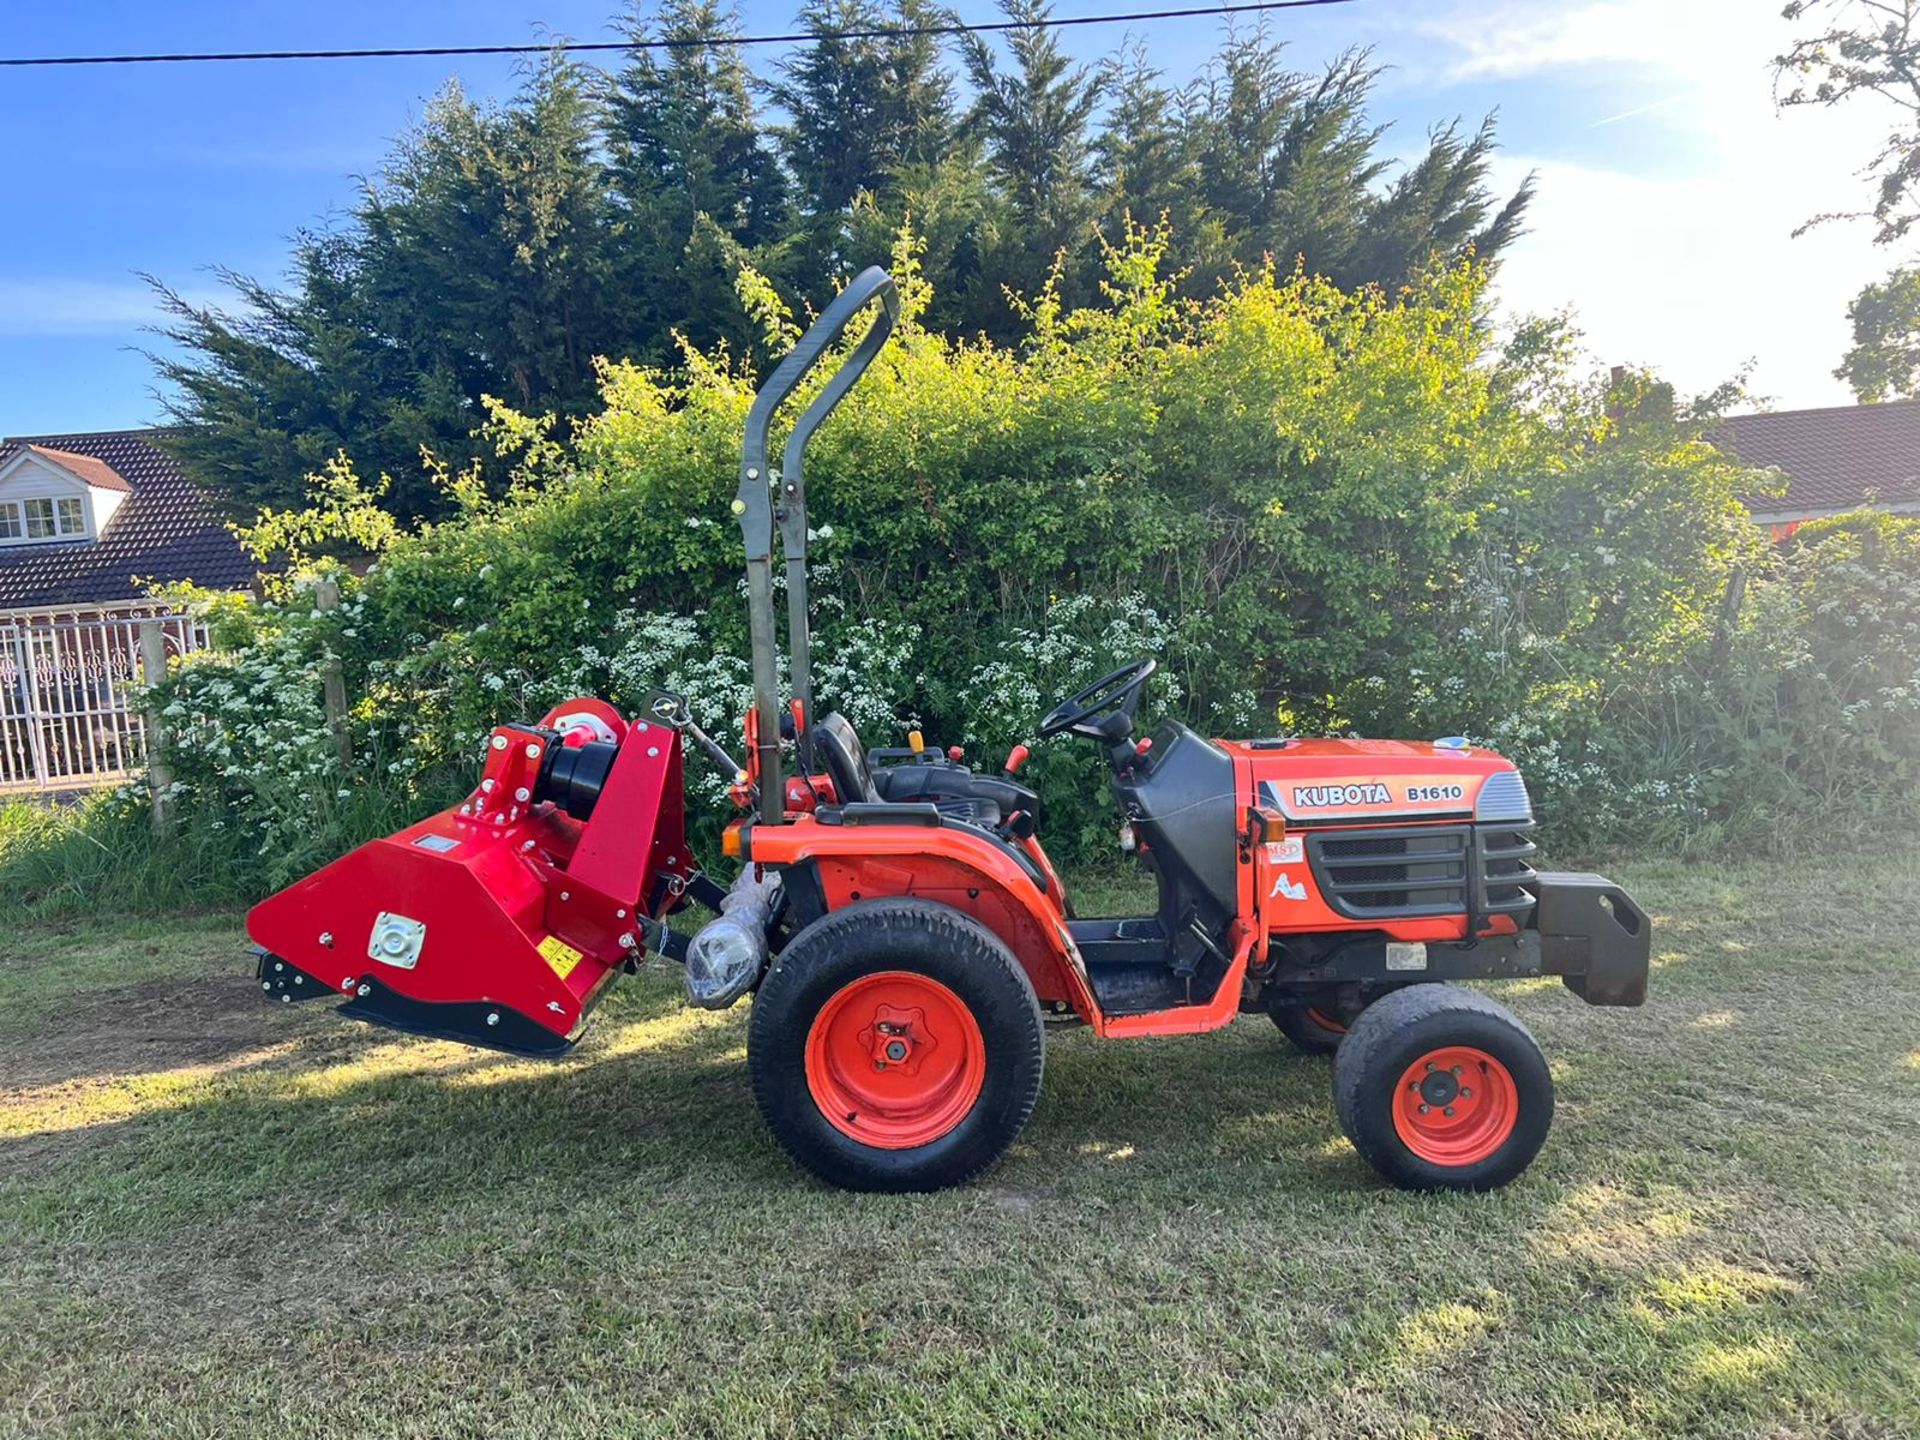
[883, 32]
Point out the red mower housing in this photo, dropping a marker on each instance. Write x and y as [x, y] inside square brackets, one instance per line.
[500, 920]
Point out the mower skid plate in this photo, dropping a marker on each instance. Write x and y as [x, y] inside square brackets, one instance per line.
[283, 982]
[1593, 936]
[471, 1022]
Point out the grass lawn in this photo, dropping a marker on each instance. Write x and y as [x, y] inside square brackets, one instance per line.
[221, 1218]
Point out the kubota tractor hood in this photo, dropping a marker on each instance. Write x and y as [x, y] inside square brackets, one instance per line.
[1341, 781]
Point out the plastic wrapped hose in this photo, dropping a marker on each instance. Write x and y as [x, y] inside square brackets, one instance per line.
[725, 958]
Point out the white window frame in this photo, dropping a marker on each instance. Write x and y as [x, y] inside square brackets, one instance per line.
[10, 511]
[53, 517]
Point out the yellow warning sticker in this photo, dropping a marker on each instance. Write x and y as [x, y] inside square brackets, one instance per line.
[560, 955]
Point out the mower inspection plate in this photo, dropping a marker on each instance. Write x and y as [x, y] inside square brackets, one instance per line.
[396, 940]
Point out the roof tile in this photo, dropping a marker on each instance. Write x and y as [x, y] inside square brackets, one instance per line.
[166, 530]
[1834, 459]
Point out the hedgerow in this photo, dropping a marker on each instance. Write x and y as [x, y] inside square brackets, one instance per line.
[1325, 512]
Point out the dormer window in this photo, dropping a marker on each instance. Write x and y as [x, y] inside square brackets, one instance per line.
[55, 518]
[50, 497]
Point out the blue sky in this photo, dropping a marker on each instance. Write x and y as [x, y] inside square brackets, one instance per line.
[1669, 187]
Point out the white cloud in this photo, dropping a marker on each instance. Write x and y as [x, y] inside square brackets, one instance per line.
[1676, 249]
[1504, 42]
[57, 306]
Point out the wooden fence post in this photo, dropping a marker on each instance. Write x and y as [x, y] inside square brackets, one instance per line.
[333, 685]
[153, 669]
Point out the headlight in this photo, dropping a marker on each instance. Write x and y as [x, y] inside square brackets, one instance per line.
[1503, 797]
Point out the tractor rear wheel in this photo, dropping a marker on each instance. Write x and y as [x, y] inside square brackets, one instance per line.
[896, 1045]
[1442, 1089]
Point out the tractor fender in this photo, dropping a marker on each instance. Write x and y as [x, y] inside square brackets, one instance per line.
[951, 865]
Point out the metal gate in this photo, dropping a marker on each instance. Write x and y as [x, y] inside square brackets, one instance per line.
[70, 695]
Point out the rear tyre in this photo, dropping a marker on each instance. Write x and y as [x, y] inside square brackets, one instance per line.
[896, 1045]
[1442, 1089]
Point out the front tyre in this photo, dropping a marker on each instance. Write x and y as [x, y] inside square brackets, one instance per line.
[1313, 1029]
[1442, 1089]
[896, 1045]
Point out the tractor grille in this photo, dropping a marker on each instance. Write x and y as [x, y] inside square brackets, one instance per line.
[1421, 870]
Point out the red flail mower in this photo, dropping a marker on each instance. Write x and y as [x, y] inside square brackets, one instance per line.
[905, 939]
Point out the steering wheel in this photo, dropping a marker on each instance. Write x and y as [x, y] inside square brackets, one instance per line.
[1118, 691]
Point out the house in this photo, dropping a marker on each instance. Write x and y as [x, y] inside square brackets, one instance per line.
[1835, 459]
[93, 520]
[87, 524]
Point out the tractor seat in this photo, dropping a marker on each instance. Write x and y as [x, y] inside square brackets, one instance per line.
[953, 789]
[837, 746]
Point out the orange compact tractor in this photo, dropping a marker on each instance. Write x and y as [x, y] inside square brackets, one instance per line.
[905, 939]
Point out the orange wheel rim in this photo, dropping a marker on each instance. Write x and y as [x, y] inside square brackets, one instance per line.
[1325, 1020]
[1455, 1106]
[895, 1060]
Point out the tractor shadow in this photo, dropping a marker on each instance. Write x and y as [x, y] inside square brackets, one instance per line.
[656, 1097]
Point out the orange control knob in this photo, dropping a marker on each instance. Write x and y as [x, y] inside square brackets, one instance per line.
[1016, 757]
[956, 754]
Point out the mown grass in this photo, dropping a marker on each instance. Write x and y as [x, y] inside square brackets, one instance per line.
[218, 1218]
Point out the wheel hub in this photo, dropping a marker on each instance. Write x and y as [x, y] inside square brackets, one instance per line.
[1456, 1106]
[895, 1060]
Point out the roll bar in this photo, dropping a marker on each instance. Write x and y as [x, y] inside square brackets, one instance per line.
[758, 508]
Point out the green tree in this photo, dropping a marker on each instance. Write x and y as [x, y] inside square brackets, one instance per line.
[1143, 165]
[1883, 362]
[503, 248]
[862, 107]
[1035, 118]
[474, 264]
[1870, 48]
[691, 173]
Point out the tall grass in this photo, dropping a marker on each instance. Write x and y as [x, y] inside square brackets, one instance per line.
[100, 854]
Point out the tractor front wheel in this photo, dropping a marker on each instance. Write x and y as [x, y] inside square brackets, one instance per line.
[896, 1045]
[1314, 1029]
[1442, 1089]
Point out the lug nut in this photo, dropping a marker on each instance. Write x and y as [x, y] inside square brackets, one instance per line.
[1465, 1094]
[1431, 1067]
[494, 1018]
[1448, 1112]
[1456, 1070]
